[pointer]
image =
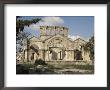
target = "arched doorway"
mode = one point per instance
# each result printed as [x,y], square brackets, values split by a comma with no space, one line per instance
[78,55]
[34,52]
[56,49]
[56,53]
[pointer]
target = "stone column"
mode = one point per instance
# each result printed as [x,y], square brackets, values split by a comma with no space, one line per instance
[73,55]
[25,56]
[28,48]
[66,55]
[46,55]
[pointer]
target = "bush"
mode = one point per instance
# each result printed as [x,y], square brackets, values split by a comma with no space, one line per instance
[20,69]
[40,62]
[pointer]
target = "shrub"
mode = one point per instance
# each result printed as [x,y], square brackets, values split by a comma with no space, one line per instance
[40,62]
[20,69]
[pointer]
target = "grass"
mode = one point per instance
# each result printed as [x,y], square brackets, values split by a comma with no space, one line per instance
[74,66]
[52,69]
[84,67]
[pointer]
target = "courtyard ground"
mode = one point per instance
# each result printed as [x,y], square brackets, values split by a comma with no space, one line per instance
[57,69]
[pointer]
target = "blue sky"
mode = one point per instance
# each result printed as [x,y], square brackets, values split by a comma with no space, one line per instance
[82,26]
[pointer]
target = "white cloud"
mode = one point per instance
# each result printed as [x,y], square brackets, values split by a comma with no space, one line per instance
[73,37]
[47,21]
[53,20]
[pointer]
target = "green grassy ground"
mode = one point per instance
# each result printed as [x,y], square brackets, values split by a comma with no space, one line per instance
[59,69]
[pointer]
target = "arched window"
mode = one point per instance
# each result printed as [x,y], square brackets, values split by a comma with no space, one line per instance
[32,56]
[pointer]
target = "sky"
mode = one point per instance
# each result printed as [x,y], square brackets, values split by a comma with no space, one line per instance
[79,26]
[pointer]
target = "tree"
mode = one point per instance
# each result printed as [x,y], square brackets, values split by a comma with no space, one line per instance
[89,47]
[22,37]
[21,23]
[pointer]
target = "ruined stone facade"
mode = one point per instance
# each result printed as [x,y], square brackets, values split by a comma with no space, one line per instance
[54,45]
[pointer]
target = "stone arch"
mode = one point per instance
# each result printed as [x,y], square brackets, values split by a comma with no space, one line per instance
[78,54]
[56,49]
[34,52]
[56,42]
[35,48]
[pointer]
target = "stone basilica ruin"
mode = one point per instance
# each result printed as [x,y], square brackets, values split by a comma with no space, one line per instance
[53,44]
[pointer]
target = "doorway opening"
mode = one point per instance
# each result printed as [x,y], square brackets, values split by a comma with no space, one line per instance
[78,55]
